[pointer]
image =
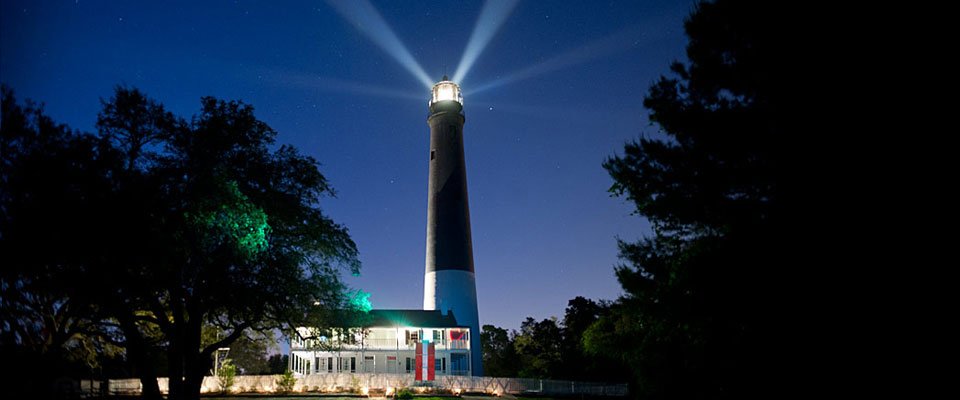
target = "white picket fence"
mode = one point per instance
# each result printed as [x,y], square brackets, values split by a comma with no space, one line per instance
[345,382]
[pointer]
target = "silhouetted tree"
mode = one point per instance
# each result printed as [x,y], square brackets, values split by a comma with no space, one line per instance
[577,363]
[159,226]
[45,171]
[278,363]
[499,356]
[248,353]
[580,314]
[701,295]
[538,348]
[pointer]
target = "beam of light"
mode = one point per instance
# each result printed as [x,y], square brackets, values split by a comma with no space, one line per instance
[344,86]
[620,41]
[492,16]
[299,80]
[550,113]
[368,21]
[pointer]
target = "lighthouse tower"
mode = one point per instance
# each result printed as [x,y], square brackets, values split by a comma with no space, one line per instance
[449,281]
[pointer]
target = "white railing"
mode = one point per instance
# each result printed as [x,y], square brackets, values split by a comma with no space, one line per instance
[386,344]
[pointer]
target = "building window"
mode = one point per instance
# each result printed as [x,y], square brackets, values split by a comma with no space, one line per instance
[353,364]
[410,365]
[438,336]
[316,364]
[329,364]
[413,337]
[440,364]
[459,364]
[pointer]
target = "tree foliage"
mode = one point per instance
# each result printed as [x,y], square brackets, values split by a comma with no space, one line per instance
[538,348]
[499,357]
[45,168]
[700,294]
[551,348]
[577,363]
[249,353]
[158,226]
[278,363]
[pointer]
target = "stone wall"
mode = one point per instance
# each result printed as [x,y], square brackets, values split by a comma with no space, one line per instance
[362,383]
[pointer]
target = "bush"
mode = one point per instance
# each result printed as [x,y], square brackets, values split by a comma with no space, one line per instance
[226,375]
[286,382]
[354,384]
[404,394]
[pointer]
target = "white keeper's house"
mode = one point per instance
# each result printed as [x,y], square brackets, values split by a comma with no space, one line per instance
[425,343]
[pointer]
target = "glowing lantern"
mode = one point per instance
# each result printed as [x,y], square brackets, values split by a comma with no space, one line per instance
[446,90]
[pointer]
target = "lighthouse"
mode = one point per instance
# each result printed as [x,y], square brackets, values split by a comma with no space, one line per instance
[449,280]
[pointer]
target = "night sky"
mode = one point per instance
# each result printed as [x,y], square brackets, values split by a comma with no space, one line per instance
[557,90]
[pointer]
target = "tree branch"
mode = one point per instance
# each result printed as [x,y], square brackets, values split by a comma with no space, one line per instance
[207,351]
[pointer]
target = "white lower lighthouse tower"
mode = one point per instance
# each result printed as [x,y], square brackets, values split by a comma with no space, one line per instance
[449,281]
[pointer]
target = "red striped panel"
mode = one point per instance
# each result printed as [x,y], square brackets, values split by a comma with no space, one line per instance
[419,376]
[432,362]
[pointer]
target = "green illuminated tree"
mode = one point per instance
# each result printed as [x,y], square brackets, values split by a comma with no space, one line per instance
[157,227]
[703,294]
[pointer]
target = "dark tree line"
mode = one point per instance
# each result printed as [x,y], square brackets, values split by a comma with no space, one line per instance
[708,296]
[133,240]
[711,304]
[551,348]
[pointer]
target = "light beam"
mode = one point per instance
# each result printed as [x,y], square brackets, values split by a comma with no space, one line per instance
[369,22]
[344,86]
[620,41]
[300,80]
[492,16]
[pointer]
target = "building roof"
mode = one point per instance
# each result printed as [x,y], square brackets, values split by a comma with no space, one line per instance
[413,318]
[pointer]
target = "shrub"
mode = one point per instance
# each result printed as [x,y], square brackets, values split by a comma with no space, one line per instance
[286,382]
[404,394]
[354,384]
[226,375]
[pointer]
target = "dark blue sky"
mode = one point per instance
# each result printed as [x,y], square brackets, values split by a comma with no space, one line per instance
[573,77]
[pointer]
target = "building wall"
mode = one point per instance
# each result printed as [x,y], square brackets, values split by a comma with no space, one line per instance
[371,351]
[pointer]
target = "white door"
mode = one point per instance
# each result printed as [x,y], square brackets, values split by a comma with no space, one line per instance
[369,364]
[392,365]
